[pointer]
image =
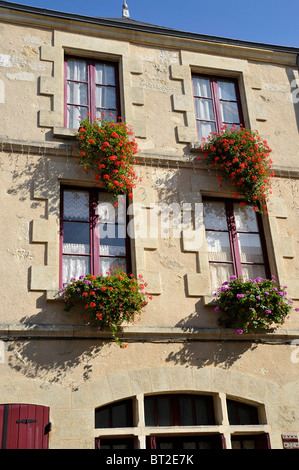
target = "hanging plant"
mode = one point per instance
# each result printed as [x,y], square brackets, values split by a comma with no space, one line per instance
[109,301]
[243,158]
[246,305]
[108,149]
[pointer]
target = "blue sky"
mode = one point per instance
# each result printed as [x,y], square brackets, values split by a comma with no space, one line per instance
[263,21]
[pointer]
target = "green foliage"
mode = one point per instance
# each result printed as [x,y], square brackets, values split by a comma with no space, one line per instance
[252,304]
[109,301]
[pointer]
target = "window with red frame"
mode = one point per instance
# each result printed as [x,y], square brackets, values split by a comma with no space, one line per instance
[90,87]
[235,241]
[93,233]
[217,103]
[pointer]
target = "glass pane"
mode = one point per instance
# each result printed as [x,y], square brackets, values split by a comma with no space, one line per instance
[119,415]
[204,129]
[201,87]
[77,70]
[112,241]
[76,205]
[105,208]
[248,444]
[105,74]
[189,445]
[102,418]
[245,415]
[215,215]
[229,112]
[220,273]
[186,411]
[106,264]
[77,93]
[226,90]
[202,411]
[204,445]
[108,115]
[204,109]
[245,218]
[75,266]
[150,414]
[250,248]
[218,246]
[105,97]
[76,237]
[236,444]
[253,271]
[74,115]
[166,445]
[164,417]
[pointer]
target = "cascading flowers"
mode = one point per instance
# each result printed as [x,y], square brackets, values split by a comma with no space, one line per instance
[108,149]
[109,300]
[246,305]
[243,157]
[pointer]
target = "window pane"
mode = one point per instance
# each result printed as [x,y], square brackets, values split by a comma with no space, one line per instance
[76,205]
[220,273]
[105,74]
[250,248]
[202,410]
[245,218]
[108,115]
[105,208]
[218,246]
[105,97]
[164,416]
[112,240]
[77,70]
[76,237]
[119,415]
[75,266]
[204,129]
[102,418]
[201,87]
[229,112]
[253,271]
[149,410]
[186,411]
[106,264]
[215,215]
[204,109]
[226,90]
[77,93]
[74,115]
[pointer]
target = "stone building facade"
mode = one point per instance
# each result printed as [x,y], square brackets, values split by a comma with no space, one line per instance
[178,358]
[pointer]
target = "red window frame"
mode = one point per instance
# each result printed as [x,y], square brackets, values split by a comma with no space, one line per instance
[216,101]
[233,238]
[94,239]
[91,107]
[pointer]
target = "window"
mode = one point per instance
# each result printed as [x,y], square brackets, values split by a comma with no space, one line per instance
[93,233]
[116,415]
[241,413]
[217,103]
[235,241]
[178,410]
[176,422]
[90,87]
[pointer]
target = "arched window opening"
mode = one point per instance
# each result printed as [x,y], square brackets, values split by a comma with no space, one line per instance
[115,415]
[242,413]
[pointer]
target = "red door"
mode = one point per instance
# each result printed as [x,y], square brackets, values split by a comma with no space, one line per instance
[24,427]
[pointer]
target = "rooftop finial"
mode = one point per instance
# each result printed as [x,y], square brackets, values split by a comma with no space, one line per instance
[126,13]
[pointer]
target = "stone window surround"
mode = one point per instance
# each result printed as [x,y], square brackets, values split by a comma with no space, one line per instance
[222,426]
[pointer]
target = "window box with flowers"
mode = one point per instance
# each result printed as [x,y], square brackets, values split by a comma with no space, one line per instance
[108,149]
[253,304]
[109,300]
[243,158]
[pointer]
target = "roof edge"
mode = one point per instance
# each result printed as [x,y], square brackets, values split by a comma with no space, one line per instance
[129,23]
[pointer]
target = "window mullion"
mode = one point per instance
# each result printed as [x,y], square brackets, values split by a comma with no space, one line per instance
[233,238]
[94,234]
[216,104]
[91,90]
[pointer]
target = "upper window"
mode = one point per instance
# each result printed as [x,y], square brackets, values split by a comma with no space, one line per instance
[93,233]
[235,241]
[217,104]
[90,87]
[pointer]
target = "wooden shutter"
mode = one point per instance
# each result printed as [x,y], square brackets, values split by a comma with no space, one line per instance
[24,427]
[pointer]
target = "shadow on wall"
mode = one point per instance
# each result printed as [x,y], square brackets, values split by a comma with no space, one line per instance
[208,352]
